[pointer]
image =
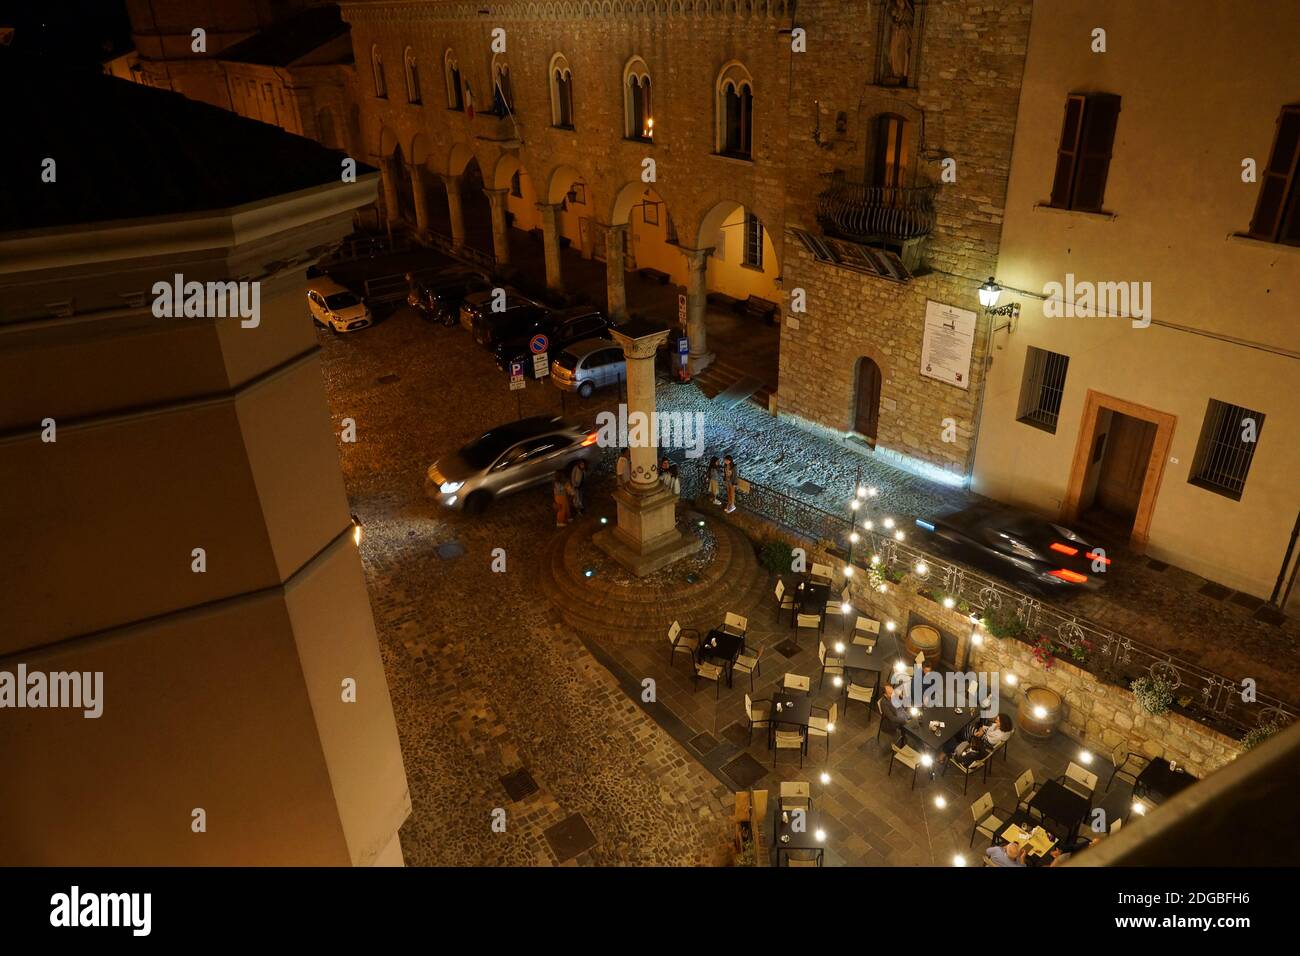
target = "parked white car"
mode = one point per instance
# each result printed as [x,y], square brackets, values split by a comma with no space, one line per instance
[335,307]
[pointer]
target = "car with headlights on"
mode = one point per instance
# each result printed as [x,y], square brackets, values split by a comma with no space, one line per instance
[1019,546]
[507,459]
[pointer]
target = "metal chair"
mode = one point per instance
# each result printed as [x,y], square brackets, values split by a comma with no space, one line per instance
[866,630]
[824,726]
[749,664]
[788,740]
[711,672]
[735,624]
[1121,758]
[797,683]
[987,819]
[809,622]
[757,714]
[1077,780]
[682,641]
[833,664]
[784,602]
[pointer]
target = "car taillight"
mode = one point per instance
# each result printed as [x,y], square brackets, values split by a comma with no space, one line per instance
[1064,548]
[1093,555]
[589,440]
[1073,577]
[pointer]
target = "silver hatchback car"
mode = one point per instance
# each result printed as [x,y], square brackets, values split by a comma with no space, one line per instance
[507,459]
[588,365]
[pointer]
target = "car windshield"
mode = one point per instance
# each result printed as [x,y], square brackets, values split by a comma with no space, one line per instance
[567,360]
[485,449]
[342,300]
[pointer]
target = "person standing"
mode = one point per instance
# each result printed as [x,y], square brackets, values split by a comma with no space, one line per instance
[729,479]
[560,492]
[715,486]
[577,479]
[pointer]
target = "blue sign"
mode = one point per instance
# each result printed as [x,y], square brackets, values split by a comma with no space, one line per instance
[683,346]
[538,344]
[516,369]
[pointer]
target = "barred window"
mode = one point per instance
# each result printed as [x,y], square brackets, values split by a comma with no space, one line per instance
[1042,388]
[753,256]
[1227,446]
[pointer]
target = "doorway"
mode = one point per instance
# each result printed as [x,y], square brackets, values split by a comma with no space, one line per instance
[866,413]
[1119,460]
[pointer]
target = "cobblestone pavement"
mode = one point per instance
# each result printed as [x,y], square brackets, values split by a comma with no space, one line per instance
[483,682]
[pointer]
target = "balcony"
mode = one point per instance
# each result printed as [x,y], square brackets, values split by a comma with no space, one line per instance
[872,214]
[503,130]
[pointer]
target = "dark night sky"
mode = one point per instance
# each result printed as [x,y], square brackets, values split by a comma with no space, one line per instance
[77,31]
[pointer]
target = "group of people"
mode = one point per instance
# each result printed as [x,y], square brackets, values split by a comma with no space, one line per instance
[568,487]
[722,477]
[1014,854]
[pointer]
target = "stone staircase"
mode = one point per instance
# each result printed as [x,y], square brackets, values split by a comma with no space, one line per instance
[720,376]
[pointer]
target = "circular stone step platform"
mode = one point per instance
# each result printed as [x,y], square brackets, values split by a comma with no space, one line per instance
[602,600]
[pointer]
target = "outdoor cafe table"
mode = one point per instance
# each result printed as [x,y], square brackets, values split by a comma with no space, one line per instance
[1061,806]
[1026,823]
[1157,782]
[804,838]
[879,659]
[954,719]
[811,597]
[796,709]
[722,648]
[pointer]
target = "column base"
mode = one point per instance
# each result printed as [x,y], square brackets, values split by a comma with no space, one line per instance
[699,363]
[646,537]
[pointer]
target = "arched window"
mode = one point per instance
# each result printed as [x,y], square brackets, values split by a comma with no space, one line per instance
[503,100]
[412,76]
[735,111]
[377,68]
[561,92]
[639,120]
[889,152]
[451,74]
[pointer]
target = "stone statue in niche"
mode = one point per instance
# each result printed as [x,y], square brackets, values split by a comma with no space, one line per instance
[899,24]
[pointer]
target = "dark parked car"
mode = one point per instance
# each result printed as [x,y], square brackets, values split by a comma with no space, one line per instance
[507,459]
[520,316]
[1019,545]
[560,329]
[439,298]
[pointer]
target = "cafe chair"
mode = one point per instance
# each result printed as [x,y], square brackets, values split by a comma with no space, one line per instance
[757,713]
[866,693]
[803,858]
[833,665]
[811,622]
[1077,780]
[1115,825]
[820,574]
[797,682]
[1025,792]
[784,602]
[735,625]
[682,641]
[969,770]
[711,672]
[988,818]
[1127,765]
[865,631]
[823,726]
[788,740]
[887,722]
[909,758]
[795,795]
[749,664]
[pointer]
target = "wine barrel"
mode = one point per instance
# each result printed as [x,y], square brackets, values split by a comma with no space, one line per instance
[923,639]
[1039,713]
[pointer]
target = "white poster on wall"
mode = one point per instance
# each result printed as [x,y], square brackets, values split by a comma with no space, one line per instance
[949,339]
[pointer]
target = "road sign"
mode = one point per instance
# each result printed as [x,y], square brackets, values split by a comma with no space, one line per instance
[541,366]
[538,343]
[681,309]
[516,369]
[516,382]
[683,345]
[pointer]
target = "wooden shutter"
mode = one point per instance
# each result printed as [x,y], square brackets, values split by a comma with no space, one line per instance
[1100,114]
[1068,152]
[1275,211]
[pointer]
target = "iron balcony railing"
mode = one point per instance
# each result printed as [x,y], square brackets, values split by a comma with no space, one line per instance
[873,213]
[1199,694]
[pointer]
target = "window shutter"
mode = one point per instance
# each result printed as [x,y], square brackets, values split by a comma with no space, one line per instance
[1279,180]
[1100,115]
[1067,154]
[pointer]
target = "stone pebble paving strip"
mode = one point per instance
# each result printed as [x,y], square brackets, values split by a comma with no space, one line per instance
[483,682]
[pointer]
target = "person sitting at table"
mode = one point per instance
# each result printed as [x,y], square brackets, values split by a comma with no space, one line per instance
[898,708]
[1013,854]
[1060,855]
[984,740]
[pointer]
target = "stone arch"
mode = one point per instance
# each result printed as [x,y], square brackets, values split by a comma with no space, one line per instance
[458,158]
[561,180]
[388,142]
[503,170]
[418,153]
[711,223]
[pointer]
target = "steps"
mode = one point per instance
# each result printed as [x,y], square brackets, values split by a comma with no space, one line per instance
[720,376]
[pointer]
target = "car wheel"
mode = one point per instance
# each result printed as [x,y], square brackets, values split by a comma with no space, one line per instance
[477,503]
[585,390]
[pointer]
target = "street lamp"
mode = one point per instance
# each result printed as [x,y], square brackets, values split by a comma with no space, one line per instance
[989,293]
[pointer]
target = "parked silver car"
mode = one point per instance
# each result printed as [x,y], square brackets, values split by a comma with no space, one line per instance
[588,365]
[507,459]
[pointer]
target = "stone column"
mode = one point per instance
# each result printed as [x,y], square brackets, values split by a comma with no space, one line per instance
[551,245]
[615,291]
[391,209]
[500,233]
[697,300]
[646,536]
[455,210]
[418,196]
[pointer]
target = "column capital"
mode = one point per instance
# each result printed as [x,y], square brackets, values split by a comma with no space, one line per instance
[614,228]
[696,258]
[640,339]
[451,179]
[496,195]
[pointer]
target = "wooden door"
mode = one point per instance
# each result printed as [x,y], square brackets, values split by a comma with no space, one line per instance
[1124,468]
[866,420]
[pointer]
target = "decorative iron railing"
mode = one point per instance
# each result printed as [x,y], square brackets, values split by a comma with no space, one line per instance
[1199,694]
[872,213]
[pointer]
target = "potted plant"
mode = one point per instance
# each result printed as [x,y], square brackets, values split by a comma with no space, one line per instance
[1045,652]
[775,555]
[1260,734]
[1153,694]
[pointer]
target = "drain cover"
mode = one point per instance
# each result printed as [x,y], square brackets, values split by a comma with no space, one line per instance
[519,784]
[450,550]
